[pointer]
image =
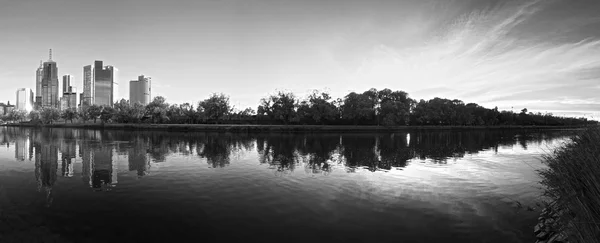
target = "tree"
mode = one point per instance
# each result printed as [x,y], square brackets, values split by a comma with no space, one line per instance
[265,108]
[188,111]
[247,113]
[15,116]
[394,107]
[106,113]
[69,114]
[6,118]
[49,115]
[279,107]
[34,116]
[175,114]
[216,106]
[122,111]
[321,109]
[157,109]
[358,107]
[93,112]
[137,112]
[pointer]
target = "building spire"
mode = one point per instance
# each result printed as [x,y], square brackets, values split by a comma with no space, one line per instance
[50,54]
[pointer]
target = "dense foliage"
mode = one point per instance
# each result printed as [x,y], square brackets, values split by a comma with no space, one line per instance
[372,107]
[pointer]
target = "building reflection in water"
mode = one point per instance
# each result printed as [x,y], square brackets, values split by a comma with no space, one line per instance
[315,153]
[138,157]
[104,173]
[22,147]
[98,170]
[46,163]
[68,154]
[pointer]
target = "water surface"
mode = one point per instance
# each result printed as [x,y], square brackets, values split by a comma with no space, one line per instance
[69,185]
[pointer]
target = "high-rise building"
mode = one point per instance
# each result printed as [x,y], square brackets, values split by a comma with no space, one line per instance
[39,74]
[24,99]
[139,90]
[50,84]
[67,80]
[100,84]
[69,98]
[88,86]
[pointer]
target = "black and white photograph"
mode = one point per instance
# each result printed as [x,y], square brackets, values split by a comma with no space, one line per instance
[284,121]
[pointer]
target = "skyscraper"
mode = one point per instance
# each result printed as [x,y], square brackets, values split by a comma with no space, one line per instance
[66,87]
[50,84]
[24,99]
[39,74]
[139,90]
[69,98]
[88,86]
[100,84]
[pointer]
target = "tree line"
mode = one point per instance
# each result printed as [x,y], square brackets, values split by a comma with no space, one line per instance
[372,107]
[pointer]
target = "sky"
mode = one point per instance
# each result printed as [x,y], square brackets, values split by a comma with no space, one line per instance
[541,55]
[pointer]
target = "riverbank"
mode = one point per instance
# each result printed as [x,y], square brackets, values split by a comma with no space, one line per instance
[572,182]
[274,128]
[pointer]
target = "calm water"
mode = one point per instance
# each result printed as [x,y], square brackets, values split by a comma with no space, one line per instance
[69,185]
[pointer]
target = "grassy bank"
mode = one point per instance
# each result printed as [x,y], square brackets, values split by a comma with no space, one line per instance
[275,128]
[572,181]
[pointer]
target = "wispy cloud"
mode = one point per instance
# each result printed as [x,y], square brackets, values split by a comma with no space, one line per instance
[479,54]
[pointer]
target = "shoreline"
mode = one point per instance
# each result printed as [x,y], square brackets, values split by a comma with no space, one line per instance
[279,128]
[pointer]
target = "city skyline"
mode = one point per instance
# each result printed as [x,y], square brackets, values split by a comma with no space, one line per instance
[539,55]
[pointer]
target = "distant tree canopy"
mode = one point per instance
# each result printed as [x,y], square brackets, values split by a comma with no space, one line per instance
[216,107]
[372,107]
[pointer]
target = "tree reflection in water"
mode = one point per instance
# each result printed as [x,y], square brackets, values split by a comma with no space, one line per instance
[317,153]
[282,152]
[279,151]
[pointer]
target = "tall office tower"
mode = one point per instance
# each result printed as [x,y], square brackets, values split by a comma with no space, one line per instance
[88,86]
[100,84]
[67,80]
[69,98]
[139,90]
[39,74]
[24,99]
[50,84]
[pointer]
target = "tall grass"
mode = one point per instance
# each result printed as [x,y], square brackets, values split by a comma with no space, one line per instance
[572,181]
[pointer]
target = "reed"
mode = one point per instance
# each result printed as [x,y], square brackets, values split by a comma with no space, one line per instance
[572,181]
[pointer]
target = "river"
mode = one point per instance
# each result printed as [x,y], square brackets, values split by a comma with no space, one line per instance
[70,185]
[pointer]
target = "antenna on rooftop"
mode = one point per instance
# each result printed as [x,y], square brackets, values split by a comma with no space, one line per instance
[50,54]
